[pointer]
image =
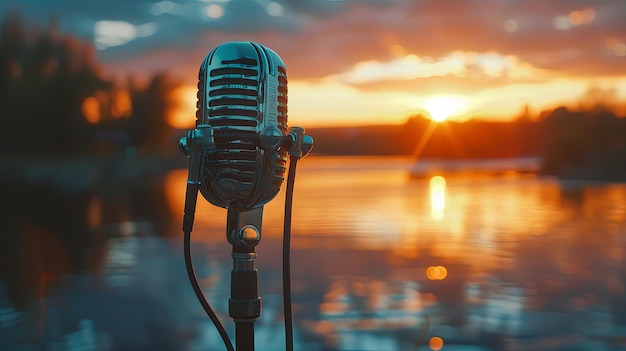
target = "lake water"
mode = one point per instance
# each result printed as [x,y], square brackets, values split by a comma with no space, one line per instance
[380,261]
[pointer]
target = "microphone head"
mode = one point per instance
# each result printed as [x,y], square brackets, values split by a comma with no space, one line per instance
[242,96]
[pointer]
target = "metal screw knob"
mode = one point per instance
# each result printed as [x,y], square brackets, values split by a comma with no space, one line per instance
[249,235]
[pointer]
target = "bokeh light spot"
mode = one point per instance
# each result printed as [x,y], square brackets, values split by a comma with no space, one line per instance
[561,23]
[214,11]
[435,343]
[436,272]
[274,9]
[577,18]
[510,26]
[90,108]
[122,104]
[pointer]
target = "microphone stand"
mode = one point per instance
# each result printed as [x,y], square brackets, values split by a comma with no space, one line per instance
[243,232]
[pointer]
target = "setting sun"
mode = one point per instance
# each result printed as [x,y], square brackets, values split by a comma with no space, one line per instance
[442,107]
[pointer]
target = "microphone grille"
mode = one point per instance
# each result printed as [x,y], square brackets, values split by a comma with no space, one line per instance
[282,99]
[242,90]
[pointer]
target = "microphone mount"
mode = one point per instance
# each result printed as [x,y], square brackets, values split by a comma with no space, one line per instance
[199,142]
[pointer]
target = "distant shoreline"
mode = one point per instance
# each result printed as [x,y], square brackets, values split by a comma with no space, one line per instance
[87,171]
[491,166]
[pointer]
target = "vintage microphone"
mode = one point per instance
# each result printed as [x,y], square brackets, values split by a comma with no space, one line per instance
[238,157]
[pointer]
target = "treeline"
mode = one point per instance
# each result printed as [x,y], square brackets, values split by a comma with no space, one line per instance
[54,98]
[585,145]
[421,137]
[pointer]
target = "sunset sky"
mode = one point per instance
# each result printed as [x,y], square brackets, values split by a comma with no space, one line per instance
[370,61]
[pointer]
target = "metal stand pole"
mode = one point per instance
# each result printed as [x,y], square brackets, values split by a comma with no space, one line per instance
[243,231]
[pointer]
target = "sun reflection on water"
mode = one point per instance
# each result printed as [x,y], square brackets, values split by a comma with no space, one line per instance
[371,203]
[437,187]
[396,250]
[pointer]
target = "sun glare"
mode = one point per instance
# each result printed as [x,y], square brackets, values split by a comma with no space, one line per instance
[443,107]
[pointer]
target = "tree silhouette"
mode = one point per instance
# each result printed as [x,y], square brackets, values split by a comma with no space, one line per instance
[585,144]
[11,44]
[149,129]
[42,85]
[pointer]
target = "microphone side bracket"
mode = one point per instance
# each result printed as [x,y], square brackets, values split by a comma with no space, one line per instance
[197,142]
[298,143]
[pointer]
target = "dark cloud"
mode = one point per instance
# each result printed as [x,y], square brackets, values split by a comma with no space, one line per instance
[329,7]
[321,37]
[77,17]
[435,28]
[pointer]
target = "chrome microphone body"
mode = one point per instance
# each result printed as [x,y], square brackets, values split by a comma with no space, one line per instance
[242,96]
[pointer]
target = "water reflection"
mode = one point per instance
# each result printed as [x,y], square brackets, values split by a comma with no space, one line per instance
[380,262]
[437,187]
[59,246]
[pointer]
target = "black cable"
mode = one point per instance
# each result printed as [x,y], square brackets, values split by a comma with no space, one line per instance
[287,254]
[191,198]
